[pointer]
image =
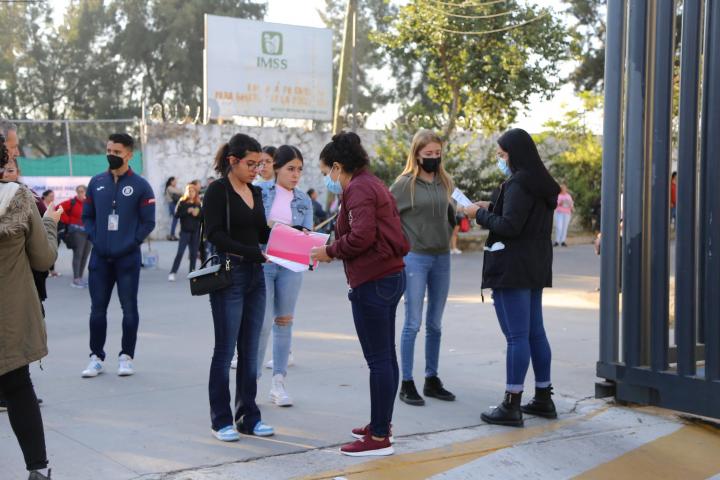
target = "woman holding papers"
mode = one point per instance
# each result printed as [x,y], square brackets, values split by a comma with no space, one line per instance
[427,212]
[371,243]
[284,203]
[236,226]
[517,266]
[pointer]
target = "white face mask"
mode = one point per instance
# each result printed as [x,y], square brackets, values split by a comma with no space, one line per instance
[503,166]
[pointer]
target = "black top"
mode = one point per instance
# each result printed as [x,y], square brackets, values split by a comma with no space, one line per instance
[522,220]
[188,222]
[248,228]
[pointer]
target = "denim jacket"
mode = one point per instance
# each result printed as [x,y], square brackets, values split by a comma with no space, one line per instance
[301,205]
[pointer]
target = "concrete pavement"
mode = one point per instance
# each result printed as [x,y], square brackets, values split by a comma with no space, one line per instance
[157,421]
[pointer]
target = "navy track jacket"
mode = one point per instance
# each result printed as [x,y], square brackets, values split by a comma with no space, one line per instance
[132,199]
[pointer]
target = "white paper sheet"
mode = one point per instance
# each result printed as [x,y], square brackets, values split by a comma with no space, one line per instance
[289,264]
[460,198]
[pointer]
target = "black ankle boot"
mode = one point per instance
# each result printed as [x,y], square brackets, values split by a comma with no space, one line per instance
[434,388]
[35,475]
[508,413]
[409,394]
[542,404]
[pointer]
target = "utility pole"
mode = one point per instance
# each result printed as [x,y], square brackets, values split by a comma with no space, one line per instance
[348,48]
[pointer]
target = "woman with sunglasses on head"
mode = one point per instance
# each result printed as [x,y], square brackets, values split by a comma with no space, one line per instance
[287,204]
[237,310]
[518,266]
[371,243]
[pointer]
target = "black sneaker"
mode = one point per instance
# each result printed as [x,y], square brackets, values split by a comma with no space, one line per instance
[409,394]
[556,244]
[434,388]
[3,405]
[563,244]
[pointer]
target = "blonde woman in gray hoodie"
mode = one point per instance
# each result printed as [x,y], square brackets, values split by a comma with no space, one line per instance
[427,213]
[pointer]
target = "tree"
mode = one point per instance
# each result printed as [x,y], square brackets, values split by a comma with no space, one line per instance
[588,43]
[373,16]
[481,61]
[161,42]
[575,155]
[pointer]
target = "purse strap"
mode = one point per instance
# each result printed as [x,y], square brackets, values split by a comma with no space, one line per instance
[227,224]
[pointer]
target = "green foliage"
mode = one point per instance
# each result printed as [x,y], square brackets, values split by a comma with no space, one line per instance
[588,43]
[480,61]
[373,16]
[575,156]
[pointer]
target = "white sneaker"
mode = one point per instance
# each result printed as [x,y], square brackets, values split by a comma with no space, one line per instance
[456,251]
[278,394]
[291,362]
[125,366]
[233,363]
[171,277]
[94,368]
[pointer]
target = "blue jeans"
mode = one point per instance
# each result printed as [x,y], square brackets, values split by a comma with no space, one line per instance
[237,316]
[104,274]
[283,289]
[519,312]
[174,221]
[374,305]
[429,273]
[189,240]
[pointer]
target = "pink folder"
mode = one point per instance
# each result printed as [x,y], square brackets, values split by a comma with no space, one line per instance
[290,248]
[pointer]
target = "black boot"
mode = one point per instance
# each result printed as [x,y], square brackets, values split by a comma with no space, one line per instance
[434,388]
[35,475]
[542,405]
[508,413]
[409,394]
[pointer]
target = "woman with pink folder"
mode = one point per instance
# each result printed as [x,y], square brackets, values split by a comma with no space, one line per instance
[284,203]
[371,243]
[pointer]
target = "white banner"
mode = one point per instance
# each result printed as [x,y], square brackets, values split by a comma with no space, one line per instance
[64,187]
[267,69]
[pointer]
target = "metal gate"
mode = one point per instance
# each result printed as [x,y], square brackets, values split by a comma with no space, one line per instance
[644,356]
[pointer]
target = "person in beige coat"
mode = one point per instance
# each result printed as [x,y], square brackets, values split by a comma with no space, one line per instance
[27,242]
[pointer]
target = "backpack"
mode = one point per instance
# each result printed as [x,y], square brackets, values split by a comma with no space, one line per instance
[63,232]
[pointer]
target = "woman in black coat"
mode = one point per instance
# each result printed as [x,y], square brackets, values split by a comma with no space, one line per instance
[517,266]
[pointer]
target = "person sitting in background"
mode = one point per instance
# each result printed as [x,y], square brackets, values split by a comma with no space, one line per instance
[319,214]
[77,237]
[189,213]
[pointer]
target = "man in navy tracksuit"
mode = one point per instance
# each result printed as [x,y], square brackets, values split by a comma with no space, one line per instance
[118,215]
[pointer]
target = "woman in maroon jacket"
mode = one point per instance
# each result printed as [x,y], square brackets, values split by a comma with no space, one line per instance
[371,243]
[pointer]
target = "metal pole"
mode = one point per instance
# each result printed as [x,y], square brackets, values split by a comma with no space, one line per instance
[610,212]
[354,67]
[685,225]
[660,182]
[633,191]
[69,146]
[339,93]
[710,173]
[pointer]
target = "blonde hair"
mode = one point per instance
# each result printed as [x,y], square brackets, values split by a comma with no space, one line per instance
[186,195]
[420,140]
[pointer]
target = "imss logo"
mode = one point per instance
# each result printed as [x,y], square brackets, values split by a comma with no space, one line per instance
[271,44]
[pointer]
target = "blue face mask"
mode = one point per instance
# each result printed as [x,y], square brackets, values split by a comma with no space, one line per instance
[333,186]
[503,166]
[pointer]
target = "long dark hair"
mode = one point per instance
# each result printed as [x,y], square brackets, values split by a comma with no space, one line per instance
[285,154]
[169,181]
[346,150]
[238,146]
[270,150]
[4,157]
[524,159]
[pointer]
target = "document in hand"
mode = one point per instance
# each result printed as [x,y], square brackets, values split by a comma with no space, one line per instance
[460,198]
[290,248]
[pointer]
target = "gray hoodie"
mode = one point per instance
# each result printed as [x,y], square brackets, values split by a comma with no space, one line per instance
[425,220]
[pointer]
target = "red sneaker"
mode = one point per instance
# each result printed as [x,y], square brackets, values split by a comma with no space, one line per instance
[367,447]
[361,432]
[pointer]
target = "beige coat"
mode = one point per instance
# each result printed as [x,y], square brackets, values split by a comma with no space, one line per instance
[26,241]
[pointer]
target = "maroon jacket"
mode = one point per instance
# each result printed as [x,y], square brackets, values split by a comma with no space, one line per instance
[370,238]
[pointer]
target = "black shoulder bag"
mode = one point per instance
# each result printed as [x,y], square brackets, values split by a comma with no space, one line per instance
[216,276]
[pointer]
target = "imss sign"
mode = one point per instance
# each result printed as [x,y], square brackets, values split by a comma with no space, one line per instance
[267,69]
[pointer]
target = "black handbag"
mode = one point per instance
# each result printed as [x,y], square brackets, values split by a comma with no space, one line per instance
[217,276]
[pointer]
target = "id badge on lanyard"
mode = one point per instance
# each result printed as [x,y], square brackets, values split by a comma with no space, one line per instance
[113,222]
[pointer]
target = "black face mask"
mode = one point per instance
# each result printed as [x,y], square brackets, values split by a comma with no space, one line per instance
[430,165]
[115,162]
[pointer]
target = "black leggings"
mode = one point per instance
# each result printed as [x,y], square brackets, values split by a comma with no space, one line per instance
[25,418]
